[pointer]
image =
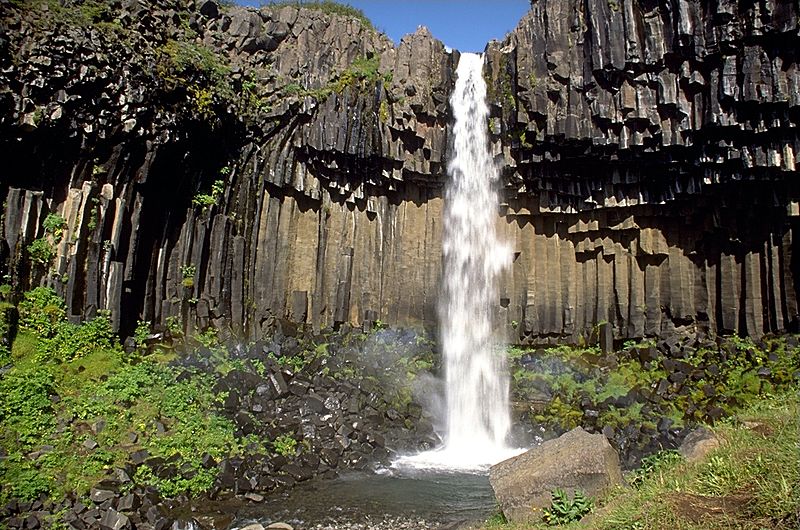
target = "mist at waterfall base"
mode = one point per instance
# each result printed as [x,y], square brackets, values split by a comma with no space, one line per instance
[477,409]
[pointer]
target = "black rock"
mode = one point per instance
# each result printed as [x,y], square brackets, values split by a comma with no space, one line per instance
[208,461]
[209,9]
[139,457]
[677,377]
[664,424]
[715,413]
[128,502]
[113,520]
[101,495]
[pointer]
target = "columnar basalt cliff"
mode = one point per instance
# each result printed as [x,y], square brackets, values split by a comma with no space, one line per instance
[233,167]
[651,150]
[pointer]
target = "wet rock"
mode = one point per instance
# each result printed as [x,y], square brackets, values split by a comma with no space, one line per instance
[254,497]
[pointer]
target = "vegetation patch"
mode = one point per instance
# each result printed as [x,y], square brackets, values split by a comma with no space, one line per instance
[642,391]
[75,406]
[751,481]
[362,74]
[326,6]
[564,510]
[72,402]
[198,70]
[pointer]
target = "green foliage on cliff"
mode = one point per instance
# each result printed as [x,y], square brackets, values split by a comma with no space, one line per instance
[43,314]
[41,251]
[206,200]
[200,71]
[325,6]
[98,15]
[361,75]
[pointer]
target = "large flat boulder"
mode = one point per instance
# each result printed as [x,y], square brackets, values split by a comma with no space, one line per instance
[576,460]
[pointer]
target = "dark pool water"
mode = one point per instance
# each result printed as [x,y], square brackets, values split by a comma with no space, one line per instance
[394,500]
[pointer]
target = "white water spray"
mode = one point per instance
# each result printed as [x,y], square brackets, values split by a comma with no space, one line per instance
[476,386]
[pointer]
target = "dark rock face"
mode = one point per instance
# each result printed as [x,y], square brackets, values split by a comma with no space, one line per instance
[648,156]
[650,150]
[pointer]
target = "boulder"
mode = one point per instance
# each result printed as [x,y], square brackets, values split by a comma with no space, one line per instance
[576,460]
[279,526]
[698,444]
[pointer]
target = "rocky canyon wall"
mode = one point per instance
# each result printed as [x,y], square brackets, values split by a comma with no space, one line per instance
[236,167]
[650,151]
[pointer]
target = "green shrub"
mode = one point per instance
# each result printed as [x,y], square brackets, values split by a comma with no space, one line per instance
[207,200]
[41,311]
[73,341]
[187,275]
[141,333]
[40,251]
[54,225]
[25,408]
[25,481]
[200,71]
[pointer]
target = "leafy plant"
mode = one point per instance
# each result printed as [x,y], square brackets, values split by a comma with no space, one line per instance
[294,362]
[285,445]
[54,225]
[41,251]
[187,275]
[174,326]
[25,409]
[207,200]
[73,341]
[141,333]
[208,338]
[41,311]
[564,510]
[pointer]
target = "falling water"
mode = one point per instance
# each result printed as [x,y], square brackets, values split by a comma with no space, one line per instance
[476,385]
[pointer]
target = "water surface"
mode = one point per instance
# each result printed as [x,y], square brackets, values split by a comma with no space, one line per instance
[406,499]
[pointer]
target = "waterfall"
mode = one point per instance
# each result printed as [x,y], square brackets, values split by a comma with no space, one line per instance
[476,385]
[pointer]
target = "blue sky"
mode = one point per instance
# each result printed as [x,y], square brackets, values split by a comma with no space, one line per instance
[465,25]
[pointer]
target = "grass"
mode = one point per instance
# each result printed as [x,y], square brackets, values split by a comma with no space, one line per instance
[752,481]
